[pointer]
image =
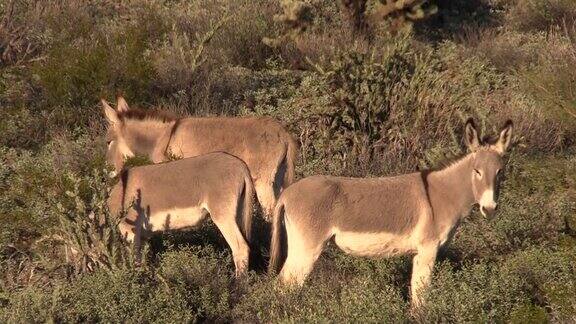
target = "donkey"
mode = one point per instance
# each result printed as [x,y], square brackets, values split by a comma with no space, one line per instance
[408,214]
[267,148]
[180,194]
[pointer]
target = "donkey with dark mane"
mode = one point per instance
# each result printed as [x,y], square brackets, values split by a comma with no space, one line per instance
[408,214]
[262,143]
[181,194]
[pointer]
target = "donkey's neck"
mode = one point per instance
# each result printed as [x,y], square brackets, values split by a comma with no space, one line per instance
[450,192]
[151,138]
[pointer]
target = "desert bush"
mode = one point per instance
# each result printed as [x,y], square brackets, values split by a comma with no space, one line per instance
[24,199]
[359,300]
[87,230]
[530,15]
[98,66]
[538,93]
[203,276]
[551,82]
[387,108]
[190,285]
[510,289]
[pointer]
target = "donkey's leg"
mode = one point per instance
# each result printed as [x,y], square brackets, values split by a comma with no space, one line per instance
[302,254]
[225,220]
[422,266]
[266,196]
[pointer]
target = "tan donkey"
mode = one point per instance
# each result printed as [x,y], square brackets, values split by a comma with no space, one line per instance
[408,214]
[182,193]
[262,143]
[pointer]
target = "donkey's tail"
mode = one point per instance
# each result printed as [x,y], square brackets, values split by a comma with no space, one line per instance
[291,156]
[276,248]
[248,208]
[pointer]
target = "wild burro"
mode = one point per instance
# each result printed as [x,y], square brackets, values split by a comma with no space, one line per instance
[408,214]
[264,145]
[180,194]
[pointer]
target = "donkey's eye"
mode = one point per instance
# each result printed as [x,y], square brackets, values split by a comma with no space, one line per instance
[478,173]
[108,143]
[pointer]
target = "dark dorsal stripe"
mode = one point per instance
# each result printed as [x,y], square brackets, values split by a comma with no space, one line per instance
[172,132]
[124,180]
[424,175]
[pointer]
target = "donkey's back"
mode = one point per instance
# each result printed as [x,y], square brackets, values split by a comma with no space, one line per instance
[391,204]
[180,183]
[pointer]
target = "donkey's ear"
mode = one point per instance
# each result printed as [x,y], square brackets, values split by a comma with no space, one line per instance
[505,137]
[110,113]
[122,105]
[471,135]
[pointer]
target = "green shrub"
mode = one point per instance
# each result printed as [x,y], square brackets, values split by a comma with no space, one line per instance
[528,15]
[552,81]
[511,289]
[27,184]
[380,111]
[361,299]
[190,285]
[203,276]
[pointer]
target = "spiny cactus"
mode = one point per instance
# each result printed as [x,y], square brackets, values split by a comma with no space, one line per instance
[295,18]
[401,11]
[88,232]
[364,14]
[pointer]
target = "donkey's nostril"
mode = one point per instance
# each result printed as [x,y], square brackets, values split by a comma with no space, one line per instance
[488,211]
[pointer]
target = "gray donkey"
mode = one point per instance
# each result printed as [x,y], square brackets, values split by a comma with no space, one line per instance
[262,143]
[180,194]
[408,214]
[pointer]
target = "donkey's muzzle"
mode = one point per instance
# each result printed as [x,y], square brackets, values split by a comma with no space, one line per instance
[488,211]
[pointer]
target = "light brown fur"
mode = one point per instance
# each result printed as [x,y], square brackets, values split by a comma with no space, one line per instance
[262,143]
[409,214]
[180,194]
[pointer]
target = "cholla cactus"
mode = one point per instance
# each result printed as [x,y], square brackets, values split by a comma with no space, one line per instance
[88,232]
[402,11]
[296,17]
[362,14]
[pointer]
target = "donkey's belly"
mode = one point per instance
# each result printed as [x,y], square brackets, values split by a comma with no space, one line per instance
[374,244]
[176,218]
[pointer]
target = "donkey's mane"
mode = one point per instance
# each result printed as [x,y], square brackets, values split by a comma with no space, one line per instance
[452,160]
[447,162]
[142,114]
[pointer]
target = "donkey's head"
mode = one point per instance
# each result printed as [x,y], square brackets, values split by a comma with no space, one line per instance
[133,131]
[118,148]
[487,164]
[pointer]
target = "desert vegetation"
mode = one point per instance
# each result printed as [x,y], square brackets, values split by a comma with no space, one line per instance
[367,90]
